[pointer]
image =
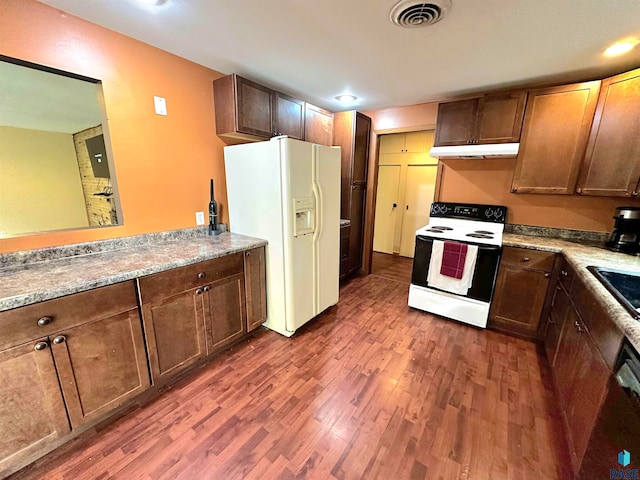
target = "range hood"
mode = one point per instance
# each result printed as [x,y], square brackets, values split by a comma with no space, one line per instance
[476,151]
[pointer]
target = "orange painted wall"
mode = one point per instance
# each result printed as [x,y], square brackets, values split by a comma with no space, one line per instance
[163,164]
[489,181]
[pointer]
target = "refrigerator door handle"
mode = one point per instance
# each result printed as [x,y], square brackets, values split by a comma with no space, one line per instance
[316,188]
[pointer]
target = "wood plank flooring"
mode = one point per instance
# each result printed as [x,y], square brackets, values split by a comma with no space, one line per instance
[371,389]
[392,267]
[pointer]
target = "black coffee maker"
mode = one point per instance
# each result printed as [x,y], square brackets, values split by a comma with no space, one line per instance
[626,231]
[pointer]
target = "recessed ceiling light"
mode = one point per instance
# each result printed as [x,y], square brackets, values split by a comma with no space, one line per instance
[621,47]
[346,98]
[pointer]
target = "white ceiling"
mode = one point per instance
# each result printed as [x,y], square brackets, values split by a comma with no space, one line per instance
[316,49]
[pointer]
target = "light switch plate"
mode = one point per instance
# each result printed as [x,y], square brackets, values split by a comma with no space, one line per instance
[199,218]
[161,105]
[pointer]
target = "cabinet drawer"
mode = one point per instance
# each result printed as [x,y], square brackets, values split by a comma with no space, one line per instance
[39,320]
[533,259]
[161,285]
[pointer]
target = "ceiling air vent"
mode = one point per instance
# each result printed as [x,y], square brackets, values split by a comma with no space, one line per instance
[411,14]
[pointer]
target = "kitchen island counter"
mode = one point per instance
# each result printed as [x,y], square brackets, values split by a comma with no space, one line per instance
[581,256]
[29,283]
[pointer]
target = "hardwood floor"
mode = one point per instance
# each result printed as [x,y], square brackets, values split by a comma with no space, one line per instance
[392,267]
[369,390]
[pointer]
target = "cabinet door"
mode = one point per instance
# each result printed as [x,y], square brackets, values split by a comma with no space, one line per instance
[225,316]
[387,208]
[358,194]
[500,117]
[560,304]
[174,329]
[554,138]
[288,116]
[392,143]
[345,234]
[253,108]
[418,195]
[32,413]
[456,122]
[518,300]
[416,142]
[567,357]
[361,149]
[255,283]
[612,161]
[318,125]
[587,394]
[101,365]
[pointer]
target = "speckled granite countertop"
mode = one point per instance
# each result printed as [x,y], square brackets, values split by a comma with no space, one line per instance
[34,282]
[580,257]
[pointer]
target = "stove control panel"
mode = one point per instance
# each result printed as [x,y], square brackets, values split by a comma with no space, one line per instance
[482,213]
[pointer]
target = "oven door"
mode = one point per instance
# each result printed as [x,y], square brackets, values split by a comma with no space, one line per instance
[484,276]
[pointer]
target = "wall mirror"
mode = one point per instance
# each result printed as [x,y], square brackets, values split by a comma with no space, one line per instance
[56,166]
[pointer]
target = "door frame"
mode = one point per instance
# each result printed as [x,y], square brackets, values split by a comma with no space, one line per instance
[372,186]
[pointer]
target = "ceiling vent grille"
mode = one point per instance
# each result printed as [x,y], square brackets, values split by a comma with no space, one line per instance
[412,14]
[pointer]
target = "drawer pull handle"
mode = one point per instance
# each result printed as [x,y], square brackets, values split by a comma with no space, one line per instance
[59,339]
[526,259]
[206,289]
[199,291]
[201,275]
[44,321]
[40,346]
[564,273]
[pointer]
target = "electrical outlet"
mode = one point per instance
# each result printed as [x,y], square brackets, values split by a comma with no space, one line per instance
[161,105]
[199,218]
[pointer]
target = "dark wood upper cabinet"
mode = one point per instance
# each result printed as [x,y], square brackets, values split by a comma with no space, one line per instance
[318,125]
[492,118]
[612,161]
[243,108]
[288,116]
[456,124]
[554,138]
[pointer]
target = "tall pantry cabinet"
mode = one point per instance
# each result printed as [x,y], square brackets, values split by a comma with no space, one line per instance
[352,131]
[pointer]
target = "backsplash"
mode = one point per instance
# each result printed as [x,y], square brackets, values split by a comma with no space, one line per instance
[581,236]
[52,253]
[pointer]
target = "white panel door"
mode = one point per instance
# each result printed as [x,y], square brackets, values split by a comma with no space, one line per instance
[297,172]
[420,187]
[386,208]
[327,235]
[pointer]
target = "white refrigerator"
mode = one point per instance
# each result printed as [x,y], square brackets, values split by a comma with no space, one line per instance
[288,193]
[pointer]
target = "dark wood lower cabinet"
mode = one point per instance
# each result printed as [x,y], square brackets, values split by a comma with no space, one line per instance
[345,237]
[255,284]
[101,365]
[521,291]
[224,309]
[32,413]
[174,329]
[581,373]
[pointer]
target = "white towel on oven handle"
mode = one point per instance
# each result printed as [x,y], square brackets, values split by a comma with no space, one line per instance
[449,284]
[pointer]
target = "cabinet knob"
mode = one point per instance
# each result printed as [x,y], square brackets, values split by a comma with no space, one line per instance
[578,190]
[40,346]
[525,259]
[551,321]
[634,194]
[44,321]
[248,254]
[59,339]
[206,289]
[546,275]
[514,189]
[199,291]
[564,273]
[578,326]
[201,275]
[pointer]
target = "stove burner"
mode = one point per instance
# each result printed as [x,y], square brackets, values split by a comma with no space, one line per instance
[478,235]
[435,230]
[438,227]
[483,232]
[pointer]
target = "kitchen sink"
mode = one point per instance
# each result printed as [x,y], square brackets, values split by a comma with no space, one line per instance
[624,286]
